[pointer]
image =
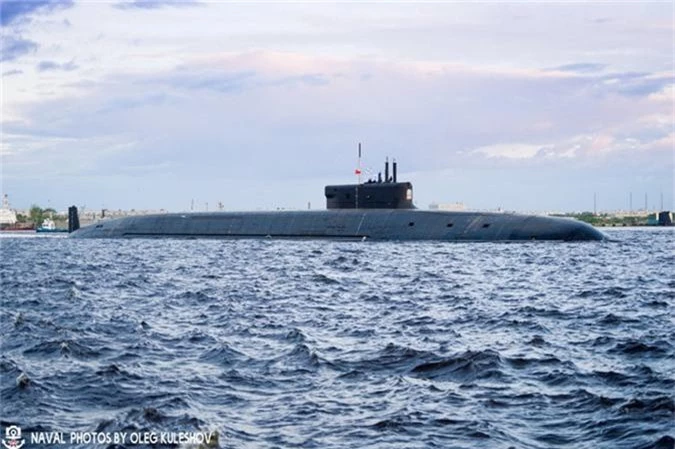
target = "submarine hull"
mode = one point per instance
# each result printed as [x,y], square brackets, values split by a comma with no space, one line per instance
[377,224]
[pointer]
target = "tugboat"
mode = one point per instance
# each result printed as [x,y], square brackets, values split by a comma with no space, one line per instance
[49,226]
[380,209]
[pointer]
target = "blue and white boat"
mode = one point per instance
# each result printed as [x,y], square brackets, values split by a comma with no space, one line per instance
[48,225]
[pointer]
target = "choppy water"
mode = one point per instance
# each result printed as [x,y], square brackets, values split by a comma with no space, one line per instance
[322,344]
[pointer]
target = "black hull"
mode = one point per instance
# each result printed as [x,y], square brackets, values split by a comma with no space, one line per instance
[355,224]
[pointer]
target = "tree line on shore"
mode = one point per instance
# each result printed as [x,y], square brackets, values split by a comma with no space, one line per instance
[37,215]
[605,219]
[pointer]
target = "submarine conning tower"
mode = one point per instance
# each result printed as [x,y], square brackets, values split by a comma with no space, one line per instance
[378,193]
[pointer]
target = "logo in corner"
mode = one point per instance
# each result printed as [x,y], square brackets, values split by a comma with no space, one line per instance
[13,438]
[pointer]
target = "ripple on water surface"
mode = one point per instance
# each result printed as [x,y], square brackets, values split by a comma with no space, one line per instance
[344,344]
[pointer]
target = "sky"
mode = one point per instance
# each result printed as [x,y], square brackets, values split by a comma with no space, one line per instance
[527,106]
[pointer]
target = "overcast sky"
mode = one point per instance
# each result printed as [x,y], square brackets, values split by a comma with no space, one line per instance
[524,106]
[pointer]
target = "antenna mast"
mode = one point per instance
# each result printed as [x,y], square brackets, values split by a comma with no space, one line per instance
[358,174]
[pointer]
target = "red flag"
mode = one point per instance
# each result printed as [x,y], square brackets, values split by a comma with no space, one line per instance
[357,172]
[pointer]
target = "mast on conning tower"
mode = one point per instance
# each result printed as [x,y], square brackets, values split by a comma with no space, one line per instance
[357,172]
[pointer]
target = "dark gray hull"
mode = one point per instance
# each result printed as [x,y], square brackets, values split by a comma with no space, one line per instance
[383,224]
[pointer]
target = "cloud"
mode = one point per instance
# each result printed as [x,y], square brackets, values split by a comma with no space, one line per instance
[262,100]
[581,67]
[633,84]
[665,143]
[509,151]
[12,72]
[643,86]
[46,66]
[665,95]
[207,79]
[15,47]
[135,102]
[13,10]
[154,4]
[225,81]
[597,145]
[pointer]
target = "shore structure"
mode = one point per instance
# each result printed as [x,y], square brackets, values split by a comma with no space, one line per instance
[7,215]
[8,218]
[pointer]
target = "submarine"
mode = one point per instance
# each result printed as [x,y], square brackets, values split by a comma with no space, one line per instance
[379,209]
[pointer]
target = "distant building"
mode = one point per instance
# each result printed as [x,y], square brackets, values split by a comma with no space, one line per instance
[7,215]
[108,213]
[91,216]
[454,207]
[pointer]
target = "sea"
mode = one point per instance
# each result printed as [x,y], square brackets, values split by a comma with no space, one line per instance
[334,344]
